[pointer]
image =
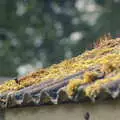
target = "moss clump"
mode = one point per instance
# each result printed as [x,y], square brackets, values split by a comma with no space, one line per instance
[90,77]
[73,84]
[107,68]
[10,85]
[94,89]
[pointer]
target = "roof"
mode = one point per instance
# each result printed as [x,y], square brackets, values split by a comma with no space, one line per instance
[93,75]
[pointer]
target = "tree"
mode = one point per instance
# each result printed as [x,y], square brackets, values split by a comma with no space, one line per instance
[41,32]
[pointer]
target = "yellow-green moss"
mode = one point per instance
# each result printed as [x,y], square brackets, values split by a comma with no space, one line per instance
[106,56]
[94,89]
[75,83]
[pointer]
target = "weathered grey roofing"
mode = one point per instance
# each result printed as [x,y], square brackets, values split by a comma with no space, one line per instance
[52,91]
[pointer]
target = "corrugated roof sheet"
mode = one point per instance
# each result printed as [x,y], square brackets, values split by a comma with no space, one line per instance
[95,75]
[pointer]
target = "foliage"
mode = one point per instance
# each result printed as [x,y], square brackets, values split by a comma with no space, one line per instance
[40,33]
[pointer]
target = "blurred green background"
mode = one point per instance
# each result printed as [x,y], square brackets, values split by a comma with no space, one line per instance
[38,33]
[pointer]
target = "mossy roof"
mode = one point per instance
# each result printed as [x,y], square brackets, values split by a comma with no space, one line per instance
[93,75]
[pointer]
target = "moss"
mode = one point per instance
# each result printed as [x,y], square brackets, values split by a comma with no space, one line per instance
[10,85]
[107,68]
[88,77]
[102,56]
[95,88]
[73,85]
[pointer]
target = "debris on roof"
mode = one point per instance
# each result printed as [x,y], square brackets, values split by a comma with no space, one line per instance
[94,75]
